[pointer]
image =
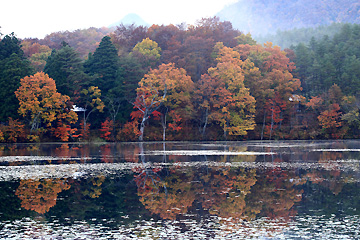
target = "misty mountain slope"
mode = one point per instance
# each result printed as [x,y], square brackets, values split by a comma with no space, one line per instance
[261,17]
[287,38]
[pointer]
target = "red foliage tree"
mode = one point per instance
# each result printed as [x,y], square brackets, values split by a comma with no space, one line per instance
[107,128]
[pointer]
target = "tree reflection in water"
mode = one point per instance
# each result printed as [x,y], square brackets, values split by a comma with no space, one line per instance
[225,192]
[126,185]
[40,195]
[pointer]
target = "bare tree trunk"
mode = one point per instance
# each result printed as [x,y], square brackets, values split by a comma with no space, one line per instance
[225,133]
[164,133]
[148,109]
[114,106]
[35,123]
[155,179]
[206,121]
[163,123]
[164,152]
[142,128]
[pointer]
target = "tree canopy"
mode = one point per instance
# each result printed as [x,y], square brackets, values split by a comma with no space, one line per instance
[206,81]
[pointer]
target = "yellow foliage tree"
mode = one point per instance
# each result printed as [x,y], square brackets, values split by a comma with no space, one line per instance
[236,112]
[91,101]
[148,48]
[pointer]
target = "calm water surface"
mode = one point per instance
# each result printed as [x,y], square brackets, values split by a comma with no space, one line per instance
[217,190]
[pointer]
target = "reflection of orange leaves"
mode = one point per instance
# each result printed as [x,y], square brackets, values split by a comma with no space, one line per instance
[130,152]
[229,191]
[332,179]
[328,157]
[336,182]
[280,194]
[168,200]
[95,190]
[106,154]
[168,206]
[137,169]
[314,177]
[156,169]
[65,151]
[40,195]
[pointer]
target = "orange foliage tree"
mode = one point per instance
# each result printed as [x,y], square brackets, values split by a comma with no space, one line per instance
[14,131]
[63,131]
[268,76]
[328,112]
[129,132]
[166,85]
[107,128]
[223,97]
[330,120]
[40,101]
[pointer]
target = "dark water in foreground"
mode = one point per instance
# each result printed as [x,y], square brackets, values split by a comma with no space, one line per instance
[233,190]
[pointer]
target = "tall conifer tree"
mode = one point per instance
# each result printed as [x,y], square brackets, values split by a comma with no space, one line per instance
[13,67]
[66,68]
[103,65]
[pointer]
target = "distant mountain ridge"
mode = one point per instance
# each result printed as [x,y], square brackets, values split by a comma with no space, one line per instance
[261,17]
[129,19]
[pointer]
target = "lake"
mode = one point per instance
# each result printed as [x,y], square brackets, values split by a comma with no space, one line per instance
[181,190]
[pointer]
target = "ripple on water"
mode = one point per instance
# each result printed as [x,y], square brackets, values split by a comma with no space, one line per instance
[301,227]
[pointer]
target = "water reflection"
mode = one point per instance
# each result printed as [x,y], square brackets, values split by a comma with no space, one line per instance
[40,195]
[176,190]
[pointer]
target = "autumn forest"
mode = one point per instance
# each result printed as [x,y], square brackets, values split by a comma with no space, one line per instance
[206,81]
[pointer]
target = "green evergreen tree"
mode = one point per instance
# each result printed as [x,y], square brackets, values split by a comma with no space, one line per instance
[119,98]
[303,60]
[330,61]
[350,77]
[103,65]
[9,45]
[13,67]
[117,78]
[66,68]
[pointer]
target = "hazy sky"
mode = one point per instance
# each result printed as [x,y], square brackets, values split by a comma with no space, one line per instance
[36,18]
